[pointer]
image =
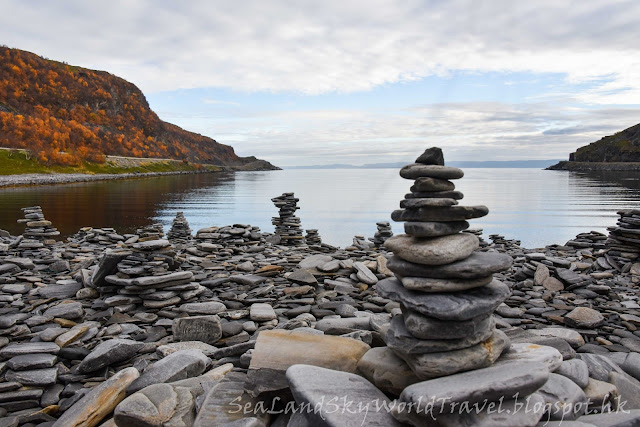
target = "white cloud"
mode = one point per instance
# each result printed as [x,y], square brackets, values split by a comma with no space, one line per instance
[334,45]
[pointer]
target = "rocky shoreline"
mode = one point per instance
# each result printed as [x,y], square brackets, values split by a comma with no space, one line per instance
[237,327]
[595,166]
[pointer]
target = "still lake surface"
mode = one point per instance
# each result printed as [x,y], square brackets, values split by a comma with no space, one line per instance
[534,206]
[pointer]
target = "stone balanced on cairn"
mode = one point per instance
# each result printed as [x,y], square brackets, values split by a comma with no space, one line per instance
[383,233]
[286,223]
[446,290]
[36,226]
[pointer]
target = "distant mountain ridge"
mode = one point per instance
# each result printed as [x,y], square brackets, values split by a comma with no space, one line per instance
[623,146]
[65,114]
[541,164]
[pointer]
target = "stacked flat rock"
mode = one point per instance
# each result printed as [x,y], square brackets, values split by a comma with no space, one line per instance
[151,232]
[383,233]
[624,239]
[446,290]
[180,231]
[146,276]
[36,226]
[313,238]
[286,223]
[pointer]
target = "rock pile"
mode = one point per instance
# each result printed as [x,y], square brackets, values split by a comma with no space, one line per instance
[151,232]
[313,238]
[180,231]
[36,226]
[382,234]
[286,223]
[446,290]
[624,238]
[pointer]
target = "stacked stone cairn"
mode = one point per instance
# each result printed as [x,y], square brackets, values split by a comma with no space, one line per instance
[624,239]
[445,287]
[286,223]
[144,275]
[313,238]
[150,232]
[36,226]
[180,231]
[383,233]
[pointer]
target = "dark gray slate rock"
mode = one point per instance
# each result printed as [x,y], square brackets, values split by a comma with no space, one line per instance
[431,156]
[66,310]
[478,264]
[32,361]
[417,170]
[599,366]
[433,229]
[156,405]
[430,328]
[432,184]
[18,349]
[66,289]
[311,385]
[197,328]
[457,306]
[108,353]
[576,370]
[449,214]
[176,366]
[565,399]
[36,377]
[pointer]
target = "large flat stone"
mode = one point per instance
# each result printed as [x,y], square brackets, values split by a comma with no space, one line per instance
[433,365]
[478,264]
[109,352]
[18,349]
[99,402]
[197,328]
[433,251]
[426,284]
[448,214]
[564,398]
[387,371]
[447,306]
[432,184]
[35,377]
[176,366]
[525,352]
[313,387]
[418,170]
[430,328]
[156,405]
[434,229]
[276,350]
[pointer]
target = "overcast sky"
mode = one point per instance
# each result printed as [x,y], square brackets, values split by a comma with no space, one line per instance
[318,82]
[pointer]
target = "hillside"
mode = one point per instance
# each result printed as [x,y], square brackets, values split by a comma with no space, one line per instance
[623,147]
[66,115]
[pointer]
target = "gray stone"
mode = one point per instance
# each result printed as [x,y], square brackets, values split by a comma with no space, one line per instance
[417,170]
[434,229]
[478,264]
[364,274]
[66,289]
[36,377]
[176,366]
[248,279]
[343,325]
[402,342]
[430,328]
[32,361]
[66,310]
[584,317]
[431,184]
[525,352]
[613,419]
[599,366]
[564,398]
[387,371]
[262,312]
[628,389]
[108,353]
[427,202]
[314,261]
[431,156]
[302,277]
[433,251]
[18,349]
[426,284]
[631,365]
[576,370]
[448,214]
[311,385]
[433,365]
[156,405]
[208,307]
[447,306]
[167,349]
[491,384]
[197,328]
[569,335]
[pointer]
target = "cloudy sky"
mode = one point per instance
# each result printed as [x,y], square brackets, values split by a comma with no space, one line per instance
[318,82]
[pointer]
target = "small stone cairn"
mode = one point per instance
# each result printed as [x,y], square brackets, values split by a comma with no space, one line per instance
[180,231]
[286,223]
[36,226]
[624,238]
[445,287]
[313,238]
[383,233]
[150,232]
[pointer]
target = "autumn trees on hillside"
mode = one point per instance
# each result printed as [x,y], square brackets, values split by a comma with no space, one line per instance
[65,114]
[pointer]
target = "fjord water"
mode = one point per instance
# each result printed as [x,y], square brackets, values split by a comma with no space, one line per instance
[534,206]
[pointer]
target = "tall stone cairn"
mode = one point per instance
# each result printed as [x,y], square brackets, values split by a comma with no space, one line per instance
[180,231]
[445,287]
[36,226]
[286,223]
[624,239]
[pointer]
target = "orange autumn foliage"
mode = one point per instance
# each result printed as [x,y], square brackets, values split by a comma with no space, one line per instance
[65,115]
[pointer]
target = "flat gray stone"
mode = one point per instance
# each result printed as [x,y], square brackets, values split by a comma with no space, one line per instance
[456,195]
[386,371]
[314,261]
[311,385]
[262,312]
[364,274]
[36,377]
[433,251]
[432,184]
[176,366]
[430,328]
[426,284]
[156,405]
[584,317]
[434,229]
[70,310]
[302,277]
[108,353]
[67,289]
[32,361]
[599,366]
[565,399]
[427,202]
[628,389]
[613,419]
[18,349]
[402,342]
[446,306]
[197,328]
[208,307]
[433,365]
[478,264]
[166,349]
[448,214]
[525,352]
[248,279]
[417,170]
[576,370]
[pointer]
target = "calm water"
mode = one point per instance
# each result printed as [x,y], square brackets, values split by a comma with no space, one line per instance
[535,206]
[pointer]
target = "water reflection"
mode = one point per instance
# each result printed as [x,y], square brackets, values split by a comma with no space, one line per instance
[537,207]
